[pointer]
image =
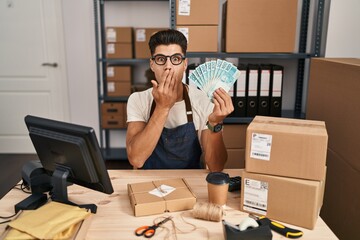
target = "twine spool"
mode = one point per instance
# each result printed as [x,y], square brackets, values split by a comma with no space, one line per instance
[208,211]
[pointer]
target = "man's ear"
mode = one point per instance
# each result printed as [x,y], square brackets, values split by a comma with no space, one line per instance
[151,64]
[185,64]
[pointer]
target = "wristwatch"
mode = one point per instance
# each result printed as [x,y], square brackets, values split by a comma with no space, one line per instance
[217,128]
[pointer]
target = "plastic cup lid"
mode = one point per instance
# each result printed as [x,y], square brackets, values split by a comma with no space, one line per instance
[218,178]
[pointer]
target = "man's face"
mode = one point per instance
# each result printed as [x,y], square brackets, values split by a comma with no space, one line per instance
[168,50]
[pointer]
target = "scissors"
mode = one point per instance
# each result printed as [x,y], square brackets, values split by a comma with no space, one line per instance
[149,231]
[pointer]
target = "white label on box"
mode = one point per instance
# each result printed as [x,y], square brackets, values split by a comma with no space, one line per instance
[260,146]
[255,196]
[110,72]
[184,8]
[111,35]
[111,87]
[140,35]
[184,31]
[110,48]
[162,190]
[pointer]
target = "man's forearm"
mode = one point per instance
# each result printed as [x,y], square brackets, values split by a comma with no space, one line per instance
[215,153]
[142,144]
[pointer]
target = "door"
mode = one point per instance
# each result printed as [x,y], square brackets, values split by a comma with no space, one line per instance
[32,69]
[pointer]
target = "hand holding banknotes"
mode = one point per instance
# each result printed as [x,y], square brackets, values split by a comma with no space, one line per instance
[164,91]
[222,106]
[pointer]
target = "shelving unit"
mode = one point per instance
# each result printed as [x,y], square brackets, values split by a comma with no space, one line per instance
[314,15]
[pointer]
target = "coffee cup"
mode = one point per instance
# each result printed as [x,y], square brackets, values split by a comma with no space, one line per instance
[218,186]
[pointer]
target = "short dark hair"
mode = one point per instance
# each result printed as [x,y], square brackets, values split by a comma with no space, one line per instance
[167,37]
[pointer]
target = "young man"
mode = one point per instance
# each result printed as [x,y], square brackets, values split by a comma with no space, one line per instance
[166,121]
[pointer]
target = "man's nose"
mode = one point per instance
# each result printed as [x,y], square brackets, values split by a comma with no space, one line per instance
[168,64]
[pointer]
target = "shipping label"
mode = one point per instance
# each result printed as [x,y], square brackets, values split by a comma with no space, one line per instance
[260,146]
[255,196]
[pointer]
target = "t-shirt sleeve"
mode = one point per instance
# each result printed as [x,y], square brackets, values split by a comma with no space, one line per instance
[136,111]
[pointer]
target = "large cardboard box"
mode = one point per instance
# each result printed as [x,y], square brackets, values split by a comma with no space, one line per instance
[200,38]
[119,50]
[113,115]
[286,147]
[119,34]
[118,73]
[333,97]
[197,12]
[260,25]
[289,200]
[142,37]
[144,201]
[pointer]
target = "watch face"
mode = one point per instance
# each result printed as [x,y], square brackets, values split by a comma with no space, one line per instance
[217,128]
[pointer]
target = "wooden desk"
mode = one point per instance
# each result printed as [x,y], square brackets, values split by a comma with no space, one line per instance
[115,218]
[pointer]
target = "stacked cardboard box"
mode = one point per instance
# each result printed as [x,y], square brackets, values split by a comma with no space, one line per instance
[234,136]
[198,20]
[142,37]
[119,42]
[259,25]
[118,81]
[113,115]
[285,163]
[333,97]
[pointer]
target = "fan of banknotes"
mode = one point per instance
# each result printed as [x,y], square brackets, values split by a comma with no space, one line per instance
[214,74]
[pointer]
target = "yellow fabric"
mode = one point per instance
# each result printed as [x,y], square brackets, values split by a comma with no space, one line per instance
[51,221]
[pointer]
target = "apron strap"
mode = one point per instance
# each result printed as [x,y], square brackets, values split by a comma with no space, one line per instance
[187,105]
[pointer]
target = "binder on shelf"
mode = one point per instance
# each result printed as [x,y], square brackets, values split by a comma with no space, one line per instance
[277,73]
[252,83]
[264,90]
[239,100]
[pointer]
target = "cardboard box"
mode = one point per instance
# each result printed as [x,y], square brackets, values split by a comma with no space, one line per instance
[200,38]
[144,203]
[118,89]
[113,108]
[113,121]
[236,158]
[119,34]
[142,37]
[113,115]
[197,12]
[260,25]
[234,135]
[118,73]
[119,50]
[289,200]
[286,147]
[333,98]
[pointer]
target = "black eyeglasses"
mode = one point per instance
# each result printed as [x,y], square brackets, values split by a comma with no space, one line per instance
[175,59]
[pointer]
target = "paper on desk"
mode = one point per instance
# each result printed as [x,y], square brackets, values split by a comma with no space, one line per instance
[162,190]
[50,221]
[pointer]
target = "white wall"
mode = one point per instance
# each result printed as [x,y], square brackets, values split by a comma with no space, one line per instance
[343,38]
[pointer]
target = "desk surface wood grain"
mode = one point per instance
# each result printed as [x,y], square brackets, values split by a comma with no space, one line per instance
[115,219]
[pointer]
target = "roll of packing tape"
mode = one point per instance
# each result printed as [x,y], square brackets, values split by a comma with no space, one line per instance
[247,223]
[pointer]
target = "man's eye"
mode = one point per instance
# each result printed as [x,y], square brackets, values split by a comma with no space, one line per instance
[160,59]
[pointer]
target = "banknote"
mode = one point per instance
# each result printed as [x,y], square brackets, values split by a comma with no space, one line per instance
[214,74]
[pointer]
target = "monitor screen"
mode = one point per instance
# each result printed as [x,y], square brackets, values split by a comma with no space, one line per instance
[71,152]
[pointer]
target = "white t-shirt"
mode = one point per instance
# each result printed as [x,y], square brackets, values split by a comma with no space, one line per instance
[139,105]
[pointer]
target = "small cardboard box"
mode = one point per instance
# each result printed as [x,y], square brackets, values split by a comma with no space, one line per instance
[286,147]
[119,50]
[260,25]
[118,89]
[144,203]
[142,37]
[118,73]
[200,38]
[289,200]
[197,12]
[113,108]
[119,34]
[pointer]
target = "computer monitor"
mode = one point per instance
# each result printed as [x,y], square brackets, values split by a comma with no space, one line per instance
[69,153]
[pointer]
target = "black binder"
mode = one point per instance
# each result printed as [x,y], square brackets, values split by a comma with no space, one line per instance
[252,83]
[264,90]
[239,99]
[277,74]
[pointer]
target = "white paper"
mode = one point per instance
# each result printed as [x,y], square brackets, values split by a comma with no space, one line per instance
[110,72]
[261,146]
[255,196]
[110,48]
[162,190]
[140,35]
[184,8]
[111,35]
